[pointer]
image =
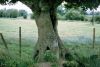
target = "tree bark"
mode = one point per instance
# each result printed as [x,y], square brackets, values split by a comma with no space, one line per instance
[62,49]
[48,38]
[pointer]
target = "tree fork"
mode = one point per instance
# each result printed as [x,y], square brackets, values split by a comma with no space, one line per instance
[48,37]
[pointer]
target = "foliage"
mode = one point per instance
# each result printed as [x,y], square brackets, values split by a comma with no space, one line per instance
[74,14]
[97,18]
[71,14]
[49,56]
[10,13]
[70,3]
[84,4]
[23,13]
[61,10]
[68,57]
[13,13]
[70,64]
[54,65]
[61,17]
[2,13]
[25,16]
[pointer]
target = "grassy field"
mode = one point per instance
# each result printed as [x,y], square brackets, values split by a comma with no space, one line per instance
[76,35]
[68,30]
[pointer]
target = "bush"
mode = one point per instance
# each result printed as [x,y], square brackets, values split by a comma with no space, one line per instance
[25,16]
[61,17]
[10,13]
[73,14]
[2,13]
[49,56]
[97,18]
[70,64]
[14,13]
[23,13]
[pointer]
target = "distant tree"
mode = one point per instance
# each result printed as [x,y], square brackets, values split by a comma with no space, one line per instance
[12,13]
[75,14]
[61,10]
[23,13]
[2,13]
[8,13]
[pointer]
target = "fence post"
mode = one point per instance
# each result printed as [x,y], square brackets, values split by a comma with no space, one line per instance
[5,44]
[93,37]
[20,41]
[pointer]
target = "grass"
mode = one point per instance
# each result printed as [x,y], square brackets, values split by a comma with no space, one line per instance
[76,35]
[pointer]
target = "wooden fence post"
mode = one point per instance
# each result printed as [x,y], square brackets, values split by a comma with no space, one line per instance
[93,22]
[5,44]
[20,41]
[93,37]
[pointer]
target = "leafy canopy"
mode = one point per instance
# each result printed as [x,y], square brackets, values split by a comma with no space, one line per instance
[53,3]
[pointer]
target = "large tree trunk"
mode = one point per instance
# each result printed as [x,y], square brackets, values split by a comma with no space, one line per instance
[48,38]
